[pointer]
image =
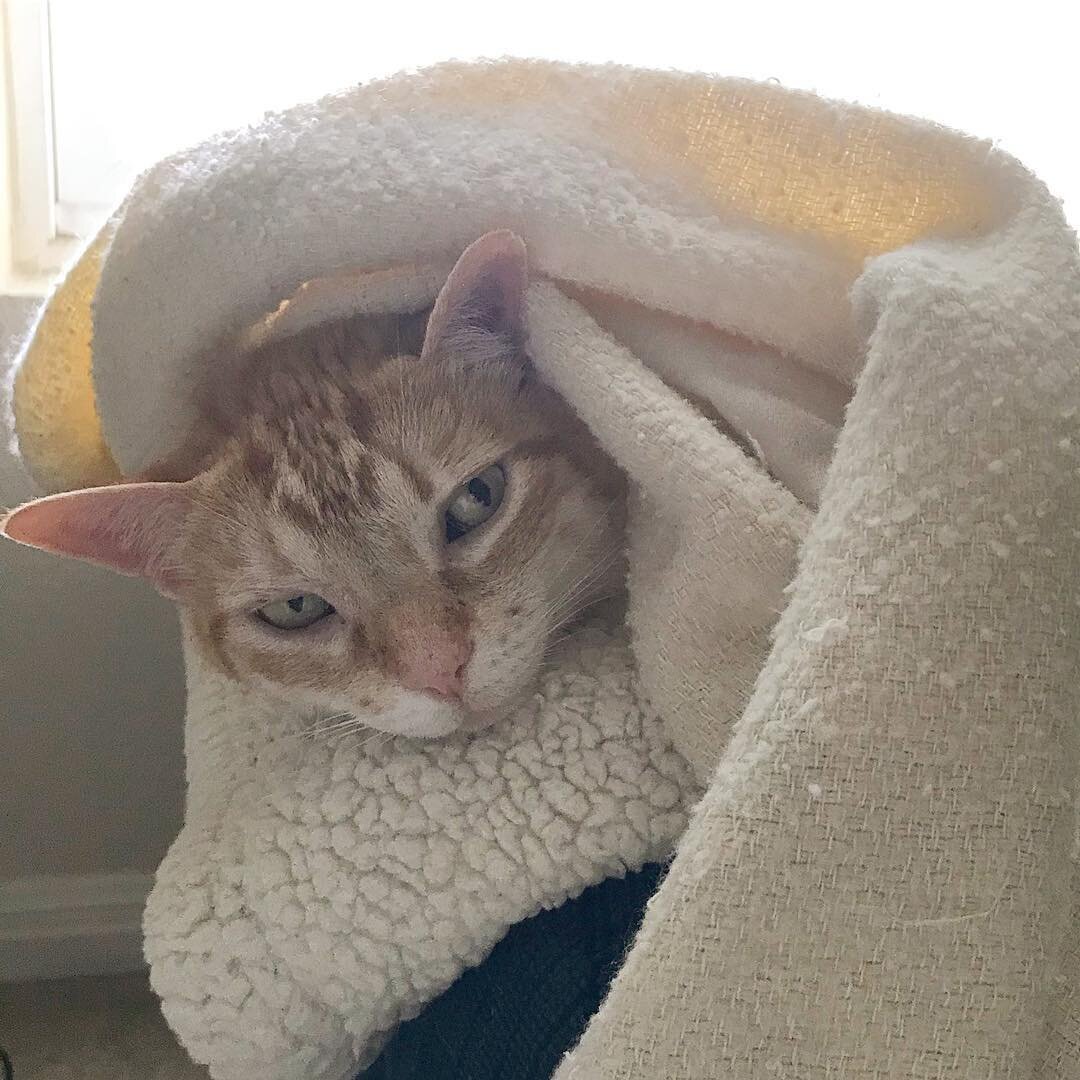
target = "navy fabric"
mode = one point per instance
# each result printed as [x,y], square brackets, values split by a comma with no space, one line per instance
[516,1014]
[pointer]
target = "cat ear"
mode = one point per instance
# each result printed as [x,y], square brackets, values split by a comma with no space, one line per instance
[479,316]
[131,528]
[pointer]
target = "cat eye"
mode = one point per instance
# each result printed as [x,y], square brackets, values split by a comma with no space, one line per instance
[296,612]
[475,502]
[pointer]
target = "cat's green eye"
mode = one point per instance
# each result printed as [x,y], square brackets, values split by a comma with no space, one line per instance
[296,612]
[474,502]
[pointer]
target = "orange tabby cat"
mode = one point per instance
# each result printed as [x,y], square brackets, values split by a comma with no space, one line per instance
[370,531]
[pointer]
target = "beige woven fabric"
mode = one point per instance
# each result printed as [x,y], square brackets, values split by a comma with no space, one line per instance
[879,882]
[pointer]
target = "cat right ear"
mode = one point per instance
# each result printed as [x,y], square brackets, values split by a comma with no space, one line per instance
[479,316]
[131,528]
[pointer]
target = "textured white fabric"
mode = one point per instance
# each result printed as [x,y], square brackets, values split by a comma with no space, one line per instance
[325,887]
[213,239]
[878,881]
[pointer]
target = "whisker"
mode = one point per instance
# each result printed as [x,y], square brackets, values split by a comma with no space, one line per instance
[597,521]
[339,723]
[347,723]
[581,609]
[376,740]
[571,615]
[324,723]
[576,586]
[556,611]
[332,717]
[556,642]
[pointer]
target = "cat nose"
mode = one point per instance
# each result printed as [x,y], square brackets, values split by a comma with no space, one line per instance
[437,667]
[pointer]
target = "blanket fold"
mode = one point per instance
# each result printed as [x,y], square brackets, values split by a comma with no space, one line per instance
[837,352]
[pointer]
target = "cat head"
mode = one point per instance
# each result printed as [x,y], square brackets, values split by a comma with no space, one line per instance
[395,537]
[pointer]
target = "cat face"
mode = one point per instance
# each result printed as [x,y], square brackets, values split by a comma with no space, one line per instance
[402,544]
[392,537]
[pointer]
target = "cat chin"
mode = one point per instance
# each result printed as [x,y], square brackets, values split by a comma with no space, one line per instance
[418,716]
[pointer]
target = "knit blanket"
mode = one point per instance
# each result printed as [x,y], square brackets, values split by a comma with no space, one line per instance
[865,659]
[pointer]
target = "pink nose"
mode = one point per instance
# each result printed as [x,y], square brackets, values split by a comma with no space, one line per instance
[436,666]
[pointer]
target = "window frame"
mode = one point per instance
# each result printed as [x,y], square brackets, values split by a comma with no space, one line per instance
[42,239]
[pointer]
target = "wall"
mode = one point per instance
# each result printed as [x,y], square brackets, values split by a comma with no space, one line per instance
[91,764]
[91,715]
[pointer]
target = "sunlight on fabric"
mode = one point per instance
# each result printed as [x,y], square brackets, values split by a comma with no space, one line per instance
[134,81]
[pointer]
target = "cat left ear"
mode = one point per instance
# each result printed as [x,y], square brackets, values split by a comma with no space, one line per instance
[479,316]
[131,528]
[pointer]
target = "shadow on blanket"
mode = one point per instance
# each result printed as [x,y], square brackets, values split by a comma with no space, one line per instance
[514,1016]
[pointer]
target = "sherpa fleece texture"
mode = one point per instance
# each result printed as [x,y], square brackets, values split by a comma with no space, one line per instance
[879,880]
[324,889]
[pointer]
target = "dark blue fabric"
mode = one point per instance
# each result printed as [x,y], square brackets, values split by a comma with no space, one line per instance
[514,1016]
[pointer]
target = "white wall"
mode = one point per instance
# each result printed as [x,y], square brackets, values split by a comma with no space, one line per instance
[91,714]
[91,762]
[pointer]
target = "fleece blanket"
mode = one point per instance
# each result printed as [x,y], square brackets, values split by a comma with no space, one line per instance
[865,659]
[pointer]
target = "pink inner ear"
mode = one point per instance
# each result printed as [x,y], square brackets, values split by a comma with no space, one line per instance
[131,528]
[485,292]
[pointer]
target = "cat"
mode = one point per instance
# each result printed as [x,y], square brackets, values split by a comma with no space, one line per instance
[388,530]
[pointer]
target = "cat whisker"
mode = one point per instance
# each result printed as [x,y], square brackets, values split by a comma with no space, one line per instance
[565,596]
[575,588]
[549,658]
[322,721]
[597,522]
[346,723]
[569,618]
[330,725]
[556,611]
[556,643]
[376,740]
[333,716]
